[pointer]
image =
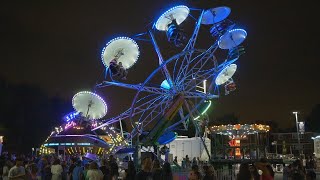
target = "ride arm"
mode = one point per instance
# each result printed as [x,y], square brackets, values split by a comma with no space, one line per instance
[138,87]
[164,122]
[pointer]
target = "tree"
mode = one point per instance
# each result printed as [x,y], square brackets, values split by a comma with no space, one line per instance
[274,126]
[27,115]
[313,119]
[225,119]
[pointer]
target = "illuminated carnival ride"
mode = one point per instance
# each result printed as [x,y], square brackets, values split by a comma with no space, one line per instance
[75,135]
[180,89]
[239,132]
[169,98]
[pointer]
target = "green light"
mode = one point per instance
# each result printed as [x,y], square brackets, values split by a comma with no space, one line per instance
[205,110]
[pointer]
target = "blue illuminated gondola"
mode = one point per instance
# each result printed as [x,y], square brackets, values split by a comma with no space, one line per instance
[167,138]
[126,151]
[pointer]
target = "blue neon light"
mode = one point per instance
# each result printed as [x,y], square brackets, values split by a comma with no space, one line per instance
[233,30]
[53,144]
[67,144]
[165,85]
[84,144]
[167,138]
[70,116]
[230,34]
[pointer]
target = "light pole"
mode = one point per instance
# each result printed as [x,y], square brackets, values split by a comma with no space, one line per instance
[275,143]
[296,115]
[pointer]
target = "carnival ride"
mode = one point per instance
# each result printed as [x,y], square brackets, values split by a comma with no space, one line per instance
[168,98]
[75,135]
[239,132]
[178,92]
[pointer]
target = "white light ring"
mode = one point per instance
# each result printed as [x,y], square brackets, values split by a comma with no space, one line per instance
[225,74]
[130,49]
[179,13]
[232,38]
[221,14]
[80,102]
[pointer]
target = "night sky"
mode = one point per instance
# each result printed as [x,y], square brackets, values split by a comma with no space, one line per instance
[56,45]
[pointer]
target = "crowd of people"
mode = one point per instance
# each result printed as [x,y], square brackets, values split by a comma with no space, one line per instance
[263,170]
[300,170]
[153,170]
[51,167]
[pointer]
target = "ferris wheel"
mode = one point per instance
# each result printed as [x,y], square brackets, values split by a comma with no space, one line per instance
[169,98]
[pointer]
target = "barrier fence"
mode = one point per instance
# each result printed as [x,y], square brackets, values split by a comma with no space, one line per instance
[220,174]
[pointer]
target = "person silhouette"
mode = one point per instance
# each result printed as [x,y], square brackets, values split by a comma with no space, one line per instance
[122,71]
[114,67]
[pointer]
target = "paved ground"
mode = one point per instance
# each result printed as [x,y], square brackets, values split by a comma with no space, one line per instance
[278,176]
[183,176]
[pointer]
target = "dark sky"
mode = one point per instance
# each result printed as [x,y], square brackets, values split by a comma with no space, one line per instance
[57,44]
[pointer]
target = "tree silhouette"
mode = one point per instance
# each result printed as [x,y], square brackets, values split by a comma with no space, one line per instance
[27,115]
[313,119]
[225,119]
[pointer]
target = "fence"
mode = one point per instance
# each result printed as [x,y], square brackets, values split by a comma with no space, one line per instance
[220,174]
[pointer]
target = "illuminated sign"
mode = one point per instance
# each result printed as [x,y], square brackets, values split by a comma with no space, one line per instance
[70,116]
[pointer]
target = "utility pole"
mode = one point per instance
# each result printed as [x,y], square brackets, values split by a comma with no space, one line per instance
[275,143]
